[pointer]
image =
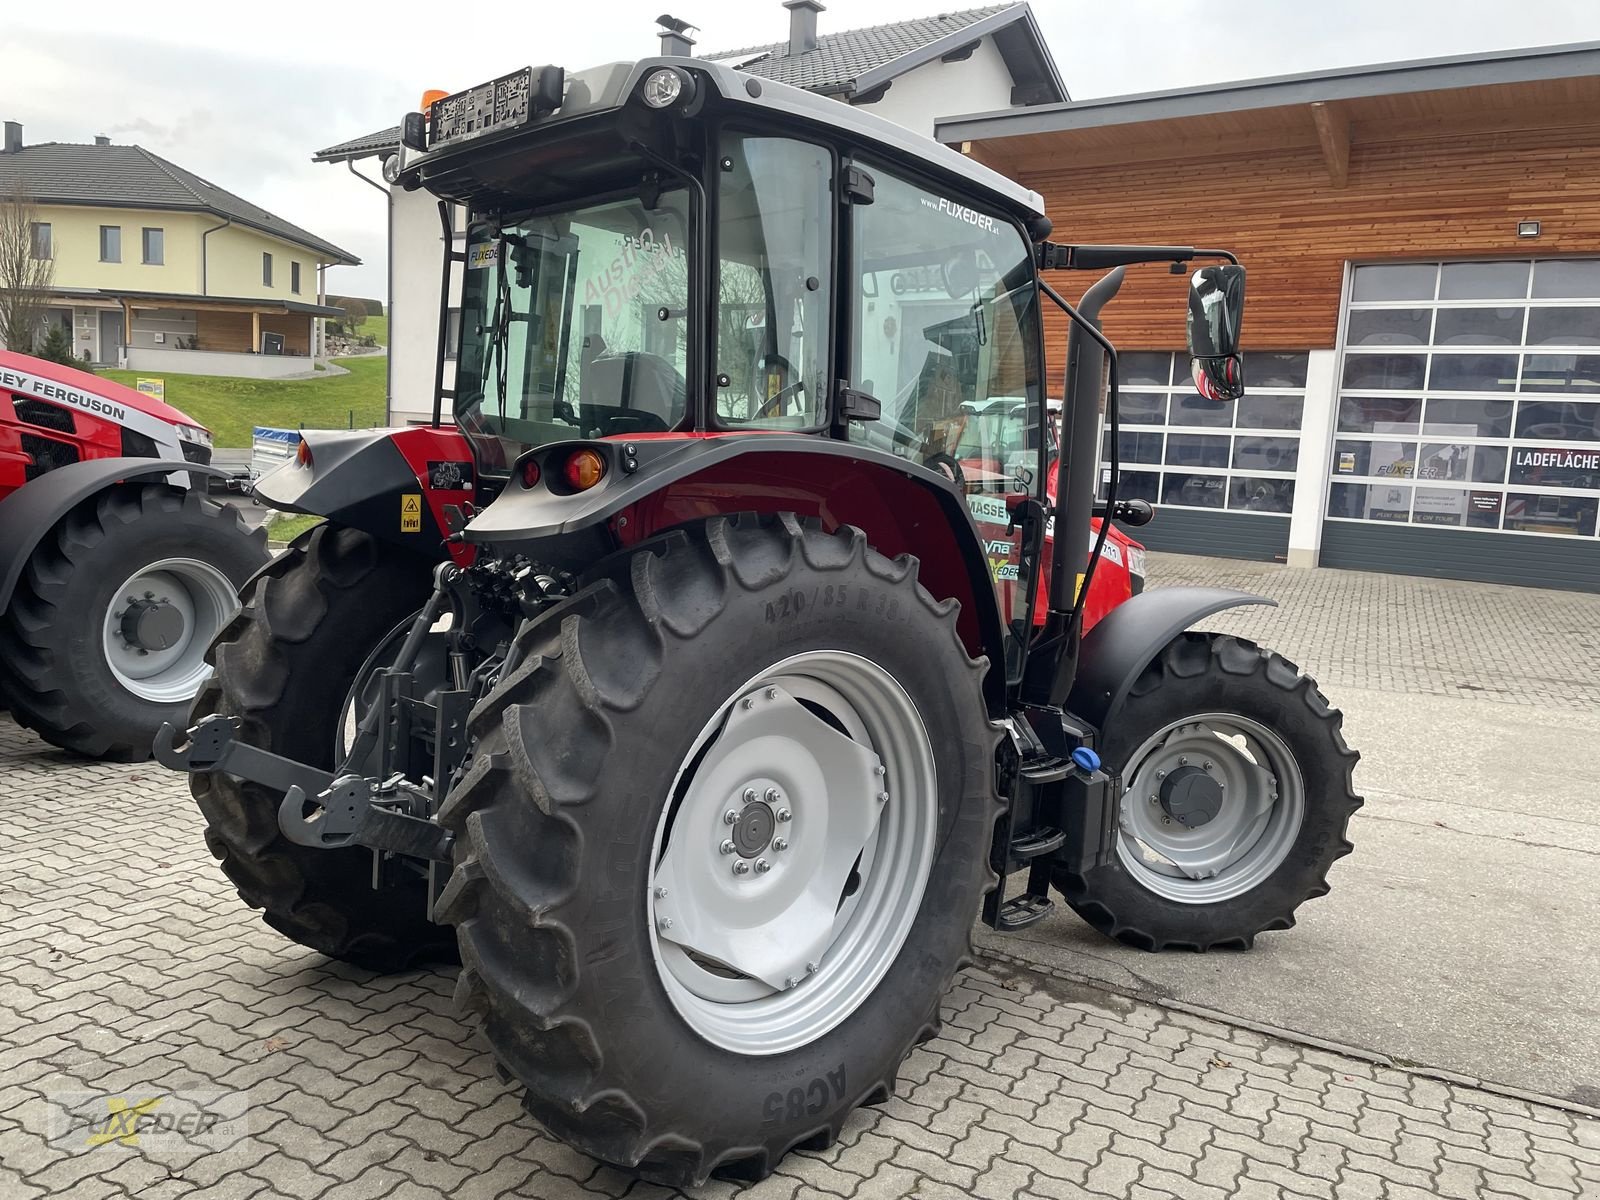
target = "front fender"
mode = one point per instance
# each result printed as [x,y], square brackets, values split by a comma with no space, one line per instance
[31,512]
[1118,649]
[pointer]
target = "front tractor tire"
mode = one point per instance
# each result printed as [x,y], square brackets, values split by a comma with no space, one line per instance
[1238,793]
[720,846]
[105,637]
[287,666]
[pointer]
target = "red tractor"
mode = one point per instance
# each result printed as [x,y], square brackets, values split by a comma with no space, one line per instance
[115,572]
[706,680]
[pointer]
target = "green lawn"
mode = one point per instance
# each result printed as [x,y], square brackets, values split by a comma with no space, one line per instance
[285,527]
[378,327]
[229,407]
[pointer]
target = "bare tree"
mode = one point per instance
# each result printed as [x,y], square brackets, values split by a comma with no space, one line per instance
[24,276]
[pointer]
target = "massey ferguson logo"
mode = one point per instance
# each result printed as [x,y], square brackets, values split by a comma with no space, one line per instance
[29,385]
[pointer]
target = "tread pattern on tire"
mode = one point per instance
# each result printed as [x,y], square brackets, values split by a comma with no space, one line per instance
[310,896]
[1191,655]
[518,864]
[31,684]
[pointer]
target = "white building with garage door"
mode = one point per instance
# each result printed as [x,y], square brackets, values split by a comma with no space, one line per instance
[1423,315]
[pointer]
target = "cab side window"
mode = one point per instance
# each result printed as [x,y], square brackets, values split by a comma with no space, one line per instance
[944,336]
[774,249]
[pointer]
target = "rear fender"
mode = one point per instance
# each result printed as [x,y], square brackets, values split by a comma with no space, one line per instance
[396,484]
[676,480]
[30,513]
[1126,641]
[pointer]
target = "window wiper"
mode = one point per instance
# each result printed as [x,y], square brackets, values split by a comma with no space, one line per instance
[500,327]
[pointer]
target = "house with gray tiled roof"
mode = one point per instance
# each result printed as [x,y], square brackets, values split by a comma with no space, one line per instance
[159,269]
[913,72]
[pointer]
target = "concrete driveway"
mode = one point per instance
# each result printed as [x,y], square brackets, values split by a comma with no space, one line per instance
[1459,938]
[1462,933]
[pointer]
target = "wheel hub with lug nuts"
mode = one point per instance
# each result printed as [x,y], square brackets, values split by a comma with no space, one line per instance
[151,623]
[753,829]
[1191,796]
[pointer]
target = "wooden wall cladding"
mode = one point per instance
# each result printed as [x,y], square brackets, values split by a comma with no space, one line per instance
[1426,192]
[296,330]
[225,331]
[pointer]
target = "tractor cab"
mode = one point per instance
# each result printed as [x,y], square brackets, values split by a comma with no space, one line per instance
[730,256]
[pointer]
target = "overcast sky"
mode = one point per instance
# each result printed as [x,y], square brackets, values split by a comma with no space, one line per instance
[244,94]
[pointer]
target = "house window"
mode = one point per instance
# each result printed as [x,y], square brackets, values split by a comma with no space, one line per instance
[155,247]
[294,278]
[111,243]
[41,239]
[266,270]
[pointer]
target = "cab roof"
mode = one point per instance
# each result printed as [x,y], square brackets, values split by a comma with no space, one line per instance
[593,94]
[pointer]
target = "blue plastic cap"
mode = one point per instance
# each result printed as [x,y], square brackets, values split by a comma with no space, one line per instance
[1086,759]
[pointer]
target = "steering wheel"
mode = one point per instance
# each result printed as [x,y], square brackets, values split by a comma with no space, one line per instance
[765,367]
[948,466]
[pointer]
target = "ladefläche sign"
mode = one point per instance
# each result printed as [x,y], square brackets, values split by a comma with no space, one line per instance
[1557,460]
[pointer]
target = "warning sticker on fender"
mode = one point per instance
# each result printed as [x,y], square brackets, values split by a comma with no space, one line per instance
[411,513]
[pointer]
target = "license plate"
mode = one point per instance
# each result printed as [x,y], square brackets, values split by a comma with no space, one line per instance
[499,104]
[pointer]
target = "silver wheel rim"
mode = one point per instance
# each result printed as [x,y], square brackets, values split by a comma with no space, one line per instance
[1169,844]
[826,753]
[195,600]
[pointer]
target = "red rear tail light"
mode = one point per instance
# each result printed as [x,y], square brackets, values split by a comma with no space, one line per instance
[302,454]
[530,473]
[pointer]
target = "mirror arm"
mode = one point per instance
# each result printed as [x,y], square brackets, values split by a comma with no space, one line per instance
[1054,256]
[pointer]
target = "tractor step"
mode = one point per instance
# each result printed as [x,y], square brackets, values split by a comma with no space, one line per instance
[1021,911]
[1040,841]
[1040,772]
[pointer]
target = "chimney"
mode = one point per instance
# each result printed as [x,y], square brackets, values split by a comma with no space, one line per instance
[13,136]
[101,139]
[802,24]
[675,39]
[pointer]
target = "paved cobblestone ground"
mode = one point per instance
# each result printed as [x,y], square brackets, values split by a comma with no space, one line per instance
[1438,637]
[127,966]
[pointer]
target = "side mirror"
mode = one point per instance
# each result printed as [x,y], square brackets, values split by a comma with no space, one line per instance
[960,274]
[1216,311]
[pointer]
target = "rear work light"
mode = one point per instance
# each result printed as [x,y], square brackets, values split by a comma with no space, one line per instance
[666,86]
[583,469]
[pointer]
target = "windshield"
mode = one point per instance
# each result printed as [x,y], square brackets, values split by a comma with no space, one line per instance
[574,325]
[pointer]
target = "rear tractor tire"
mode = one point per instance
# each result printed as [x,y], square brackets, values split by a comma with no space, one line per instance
[721,844]
[1238,793]
[106,635]
[288,666]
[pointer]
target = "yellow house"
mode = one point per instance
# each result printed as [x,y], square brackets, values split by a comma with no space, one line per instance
[158,269]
